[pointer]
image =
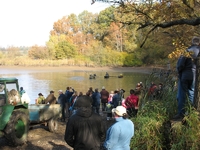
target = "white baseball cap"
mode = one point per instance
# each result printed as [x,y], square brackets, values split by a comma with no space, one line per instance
[119,110]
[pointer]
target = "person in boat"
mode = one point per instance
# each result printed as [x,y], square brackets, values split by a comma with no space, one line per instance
[107,74]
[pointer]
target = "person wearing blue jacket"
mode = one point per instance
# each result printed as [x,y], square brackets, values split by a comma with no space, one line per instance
[119,135]
[96,96]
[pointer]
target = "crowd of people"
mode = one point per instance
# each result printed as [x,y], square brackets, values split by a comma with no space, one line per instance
[83,112]
[50,99]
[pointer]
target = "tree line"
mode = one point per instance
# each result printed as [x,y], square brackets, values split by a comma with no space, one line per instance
[128,34]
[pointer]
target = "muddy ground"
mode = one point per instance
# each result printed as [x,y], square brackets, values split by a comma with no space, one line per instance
[39,138]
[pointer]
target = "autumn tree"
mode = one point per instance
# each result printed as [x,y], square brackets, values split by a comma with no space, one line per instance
[64,50]
[38,52]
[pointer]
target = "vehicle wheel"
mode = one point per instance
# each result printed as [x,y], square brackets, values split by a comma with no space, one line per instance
[53,125]
[17,128]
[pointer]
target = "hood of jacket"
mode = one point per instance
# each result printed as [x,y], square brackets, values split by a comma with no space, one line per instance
[84,111]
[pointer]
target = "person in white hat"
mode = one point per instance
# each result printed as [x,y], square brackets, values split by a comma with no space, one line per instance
[119,135]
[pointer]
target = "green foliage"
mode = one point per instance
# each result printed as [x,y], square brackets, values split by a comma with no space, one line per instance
[132,60]
[149,127]
[65,49]
[153,127]
[185,135]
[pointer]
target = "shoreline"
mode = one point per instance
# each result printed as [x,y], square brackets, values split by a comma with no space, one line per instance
[76,68]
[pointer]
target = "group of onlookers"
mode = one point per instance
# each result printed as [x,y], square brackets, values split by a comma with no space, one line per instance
[86,129]
[50,99]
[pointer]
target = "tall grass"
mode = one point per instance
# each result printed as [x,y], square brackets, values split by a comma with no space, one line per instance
[154,129]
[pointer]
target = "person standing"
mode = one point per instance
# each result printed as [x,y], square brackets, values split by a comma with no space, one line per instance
[68,93]
[104,98]
[51,99]
[90,92]
[84,129]
[185,75]
[116,99]
[119,135]
[61,101]
[131,103]
[40,99]
[96,96]
[22,91]
[194,52]
[110,96]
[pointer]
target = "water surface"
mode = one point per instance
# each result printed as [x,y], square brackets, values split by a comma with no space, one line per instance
[35,82]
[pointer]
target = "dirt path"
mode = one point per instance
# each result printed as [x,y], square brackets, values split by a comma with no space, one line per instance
[39,138]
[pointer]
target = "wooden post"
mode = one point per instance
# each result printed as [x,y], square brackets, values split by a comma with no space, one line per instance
[197,85]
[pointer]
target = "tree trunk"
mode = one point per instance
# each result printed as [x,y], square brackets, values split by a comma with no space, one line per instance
[197,86]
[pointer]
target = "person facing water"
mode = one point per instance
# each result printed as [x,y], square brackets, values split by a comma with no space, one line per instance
[119,135]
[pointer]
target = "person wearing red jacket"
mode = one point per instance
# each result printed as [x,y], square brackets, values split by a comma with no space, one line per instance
[131,103]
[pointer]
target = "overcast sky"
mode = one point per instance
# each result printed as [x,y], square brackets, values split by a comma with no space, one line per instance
[28,22]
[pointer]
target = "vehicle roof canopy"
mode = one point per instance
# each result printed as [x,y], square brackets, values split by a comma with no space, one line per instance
[8,80]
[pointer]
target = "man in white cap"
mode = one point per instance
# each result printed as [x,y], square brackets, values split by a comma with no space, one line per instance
[119,135]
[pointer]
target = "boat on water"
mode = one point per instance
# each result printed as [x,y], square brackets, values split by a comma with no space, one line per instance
[106,76]
[92,76]
[120,76]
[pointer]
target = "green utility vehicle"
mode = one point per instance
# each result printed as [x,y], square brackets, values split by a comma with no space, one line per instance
[14,115]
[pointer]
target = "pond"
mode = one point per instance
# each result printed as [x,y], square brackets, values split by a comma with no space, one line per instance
[35,82]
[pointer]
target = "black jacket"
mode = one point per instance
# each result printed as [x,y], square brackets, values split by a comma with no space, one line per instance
[85,130]
[184,68]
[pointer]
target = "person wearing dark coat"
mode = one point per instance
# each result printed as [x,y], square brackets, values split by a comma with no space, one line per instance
[185,73]
[61,101]
[84,129]
[51,99]
[96,96]
[116,99]
[68,93]
[104,98]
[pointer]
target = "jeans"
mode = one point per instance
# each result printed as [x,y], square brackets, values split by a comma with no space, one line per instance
[184,86]
[103,105]
[191,90]
[63,111]
[96,109]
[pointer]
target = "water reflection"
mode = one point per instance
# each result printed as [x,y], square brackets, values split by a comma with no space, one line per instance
[43,82]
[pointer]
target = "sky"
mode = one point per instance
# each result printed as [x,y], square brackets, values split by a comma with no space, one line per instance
[29,22]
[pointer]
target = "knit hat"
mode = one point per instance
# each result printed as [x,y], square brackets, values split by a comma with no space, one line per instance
[83,101]
[119,110]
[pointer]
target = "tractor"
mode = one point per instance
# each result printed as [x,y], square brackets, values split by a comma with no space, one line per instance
[14,114]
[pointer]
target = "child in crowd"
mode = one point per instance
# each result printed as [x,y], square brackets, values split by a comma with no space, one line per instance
[40,99]
[109,111]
